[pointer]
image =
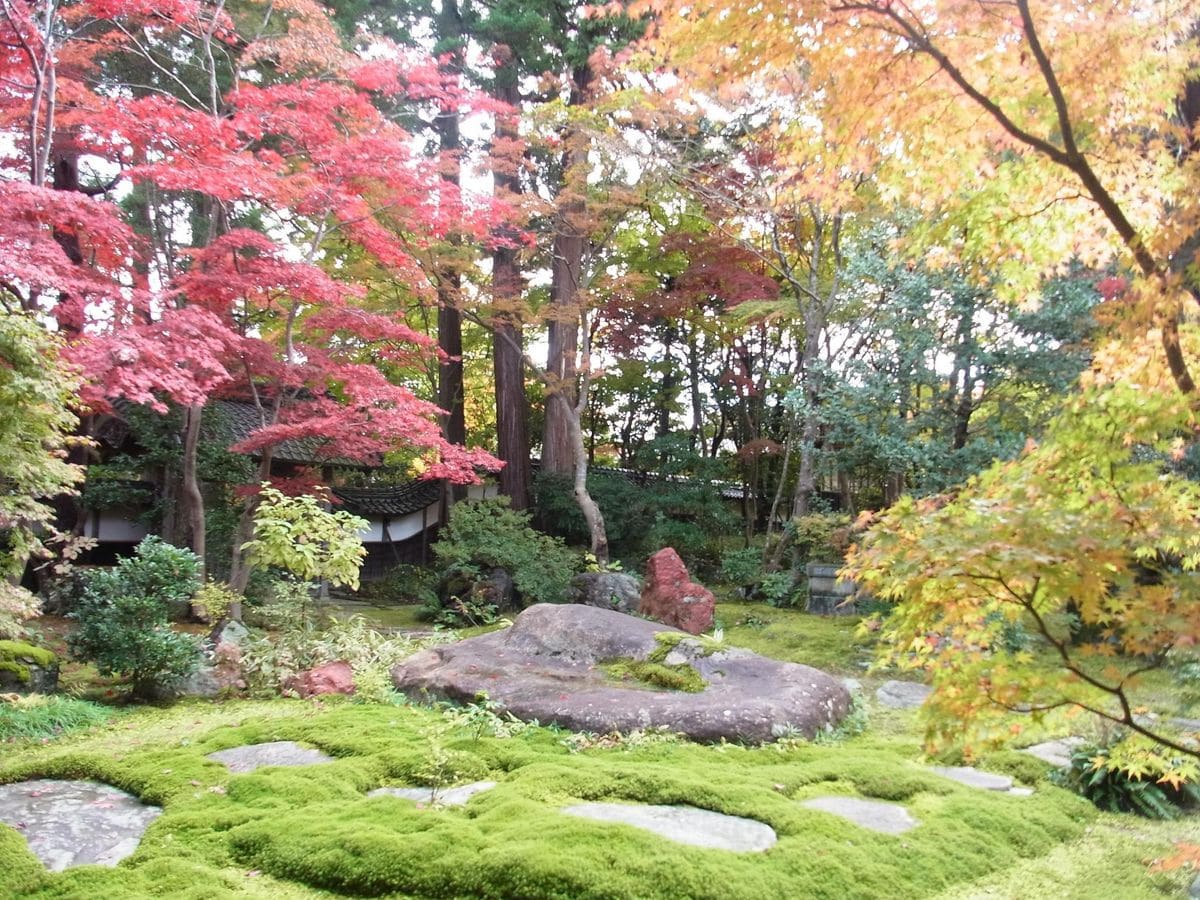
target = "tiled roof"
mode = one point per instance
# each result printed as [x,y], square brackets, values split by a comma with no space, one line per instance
[236,420]
[391,500]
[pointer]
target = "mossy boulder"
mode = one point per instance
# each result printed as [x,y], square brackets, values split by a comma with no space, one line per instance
[27,669]
[555,664]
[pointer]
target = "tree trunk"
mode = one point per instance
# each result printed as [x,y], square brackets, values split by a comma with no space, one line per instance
[508,346]
[566,272]
[587,505]
[239,570]
[449,279]
[806,471]
[192,497]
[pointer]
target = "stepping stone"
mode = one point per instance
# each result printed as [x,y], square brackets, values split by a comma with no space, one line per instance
[455,796]
[1192,725]
[971,777]
[684,824]
[274,753]
[75,823]
[902,694]
[1057,753]
[886,818]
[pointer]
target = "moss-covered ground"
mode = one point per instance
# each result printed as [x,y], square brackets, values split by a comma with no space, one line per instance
[313,831]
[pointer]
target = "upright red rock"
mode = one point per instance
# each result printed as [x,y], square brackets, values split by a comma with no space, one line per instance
[671,597]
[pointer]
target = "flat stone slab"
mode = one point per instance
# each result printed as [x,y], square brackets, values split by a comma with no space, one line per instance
[971,777]
[273,753]
[1057,753]
[684,825]
[75,823]
[886,818]
[902,694]
[545,667]
[455,796]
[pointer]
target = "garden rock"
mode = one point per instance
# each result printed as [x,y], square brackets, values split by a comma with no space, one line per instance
[25,669]
[330,678]
[902,694]
[1056,753]
[671,597]
[886,818]
[1194,890]
[971,777]
[230,632]
[73,823]
[684,825]
[498,590]
[545,667]
[274,753]
[220,673]
[606,590]
[455,796]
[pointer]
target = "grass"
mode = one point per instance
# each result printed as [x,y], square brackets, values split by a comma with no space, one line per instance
[827,642]
[38,718]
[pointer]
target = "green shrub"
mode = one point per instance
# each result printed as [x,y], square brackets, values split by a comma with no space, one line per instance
[402,584]
[820,537]
[215,599]
[487,534]
[1114,790]
[123,618]
[298,535]
[38,717]
[742,567]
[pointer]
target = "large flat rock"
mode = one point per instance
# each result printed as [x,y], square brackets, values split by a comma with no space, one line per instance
[886,818]
[75,823]
[450,796]
[972,777]
[1056,753]
[684,825]
[544,668]
[273,753]
[902,694]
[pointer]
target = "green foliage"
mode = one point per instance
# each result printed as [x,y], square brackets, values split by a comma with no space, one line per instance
[742,567]
[215,598]
[893,409]
[683,510]
[483,717]
[38,717]
[1053,579]
[36,424]
[402,584]
[820,537]
[1113,789]
[296,534]
[487,534]
[460,612]
[123,618]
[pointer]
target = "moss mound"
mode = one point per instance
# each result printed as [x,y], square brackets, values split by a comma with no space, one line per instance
[305,831]
[655,675]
